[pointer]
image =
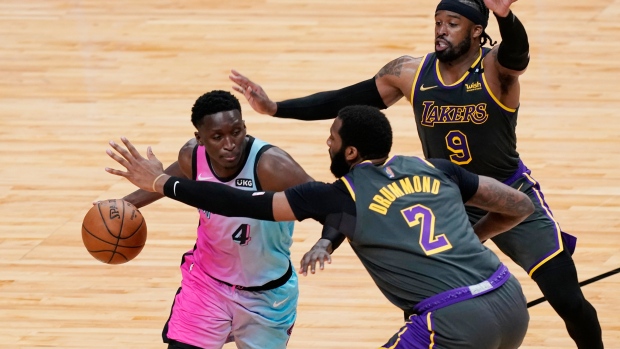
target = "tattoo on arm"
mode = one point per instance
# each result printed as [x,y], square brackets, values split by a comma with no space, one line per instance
[395,67]
[494,196]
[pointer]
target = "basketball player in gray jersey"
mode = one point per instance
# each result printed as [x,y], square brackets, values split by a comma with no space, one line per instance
[406,221]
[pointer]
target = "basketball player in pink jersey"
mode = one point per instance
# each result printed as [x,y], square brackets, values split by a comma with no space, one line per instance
[238,282]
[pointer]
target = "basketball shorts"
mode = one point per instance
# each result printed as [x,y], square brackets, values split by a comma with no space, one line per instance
[206,313]
[495,320]
[535,240]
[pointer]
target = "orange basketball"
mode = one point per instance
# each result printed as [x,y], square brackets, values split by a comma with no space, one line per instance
[114,231]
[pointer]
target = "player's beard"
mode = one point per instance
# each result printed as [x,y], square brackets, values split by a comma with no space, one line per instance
[454,52]
[339,165]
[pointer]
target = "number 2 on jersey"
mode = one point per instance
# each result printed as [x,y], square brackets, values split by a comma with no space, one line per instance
[242,234]
[424,217]
[456,141]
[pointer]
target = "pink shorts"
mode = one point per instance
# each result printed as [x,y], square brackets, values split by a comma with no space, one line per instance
[206,312]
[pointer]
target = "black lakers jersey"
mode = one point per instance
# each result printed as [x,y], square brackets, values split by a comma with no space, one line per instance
[464,122]
[412,232]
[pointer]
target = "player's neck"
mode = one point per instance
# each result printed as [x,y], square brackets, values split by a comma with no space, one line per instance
[452,71]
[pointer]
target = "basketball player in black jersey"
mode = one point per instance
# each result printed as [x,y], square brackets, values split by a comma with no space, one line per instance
[405,219]
[465,99]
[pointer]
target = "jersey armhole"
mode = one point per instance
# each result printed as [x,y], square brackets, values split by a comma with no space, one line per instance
[195,162]
[415,78]
[488,89]
[258,155]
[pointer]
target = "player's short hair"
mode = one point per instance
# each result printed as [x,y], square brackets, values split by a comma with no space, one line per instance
[367,129]
[213,102]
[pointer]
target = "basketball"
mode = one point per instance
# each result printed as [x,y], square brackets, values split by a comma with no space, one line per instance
[114,231]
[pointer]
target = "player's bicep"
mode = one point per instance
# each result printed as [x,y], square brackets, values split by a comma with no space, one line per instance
[395,78]
[494,196]
[281,209]
[278,171]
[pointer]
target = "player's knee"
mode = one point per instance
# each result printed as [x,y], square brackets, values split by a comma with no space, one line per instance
[568,304]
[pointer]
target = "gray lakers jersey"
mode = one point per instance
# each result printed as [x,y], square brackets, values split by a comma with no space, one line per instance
[412,232]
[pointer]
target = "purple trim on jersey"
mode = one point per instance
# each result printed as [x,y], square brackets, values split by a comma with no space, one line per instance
[570,241]
[518,173]
[346,178]
[414,335]
[390,160]
[460,294]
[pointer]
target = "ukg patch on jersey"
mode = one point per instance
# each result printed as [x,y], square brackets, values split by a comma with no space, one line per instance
[244,182]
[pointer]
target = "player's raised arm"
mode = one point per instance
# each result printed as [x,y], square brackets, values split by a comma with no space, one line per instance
[148,174]
[390,84]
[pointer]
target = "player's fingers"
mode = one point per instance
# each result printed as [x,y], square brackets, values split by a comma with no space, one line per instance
[118,159]
[313,265]
[116,172]
[303,269]
[151,156]
[121,151]
[238,89]
[322,263]
[132,150]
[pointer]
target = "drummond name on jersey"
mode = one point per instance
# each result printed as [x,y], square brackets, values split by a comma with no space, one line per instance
[408,185]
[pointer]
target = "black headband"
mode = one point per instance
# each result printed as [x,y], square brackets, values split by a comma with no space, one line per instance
[464,10]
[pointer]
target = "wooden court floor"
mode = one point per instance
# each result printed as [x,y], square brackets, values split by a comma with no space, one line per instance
[75,74]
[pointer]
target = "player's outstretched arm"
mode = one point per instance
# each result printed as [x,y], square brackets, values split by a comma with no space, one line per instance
[506,207]
[504,64]
[148,174]
[389,85]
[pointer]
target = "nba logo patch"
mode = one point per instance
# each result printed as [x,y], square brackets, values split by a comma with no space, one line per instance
[389,172]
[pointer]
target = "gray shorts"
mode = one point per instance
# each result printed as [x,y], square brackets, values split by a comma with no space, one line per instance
[495,320]
[535,240]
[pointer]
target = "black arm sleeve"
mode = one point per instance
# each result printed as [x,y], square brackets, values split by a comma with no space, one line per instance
[325,105]
[221,199]
[333,235]
[330,204]
[467,181]
[514,50]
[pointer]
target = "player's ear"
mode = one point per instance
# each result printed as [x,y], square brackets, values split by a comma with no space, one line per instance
[477,31]
[198,139]
[351,154]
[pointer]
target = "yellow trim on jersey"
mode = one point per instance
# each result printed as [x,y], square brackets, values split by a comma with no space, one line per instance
[430,329]
[486,85]
[348,185]
[426,161]
[557,227]
[462,77]
[398,340]
[415,78]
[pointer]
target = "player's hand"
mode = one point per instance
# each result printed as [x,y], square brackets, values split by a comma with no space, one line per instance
[255,94]
[316,254]
[499,7]
[140,171]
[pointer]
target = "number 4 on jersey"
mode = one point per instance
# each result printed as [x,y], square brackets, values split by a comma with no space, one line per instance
[242,234]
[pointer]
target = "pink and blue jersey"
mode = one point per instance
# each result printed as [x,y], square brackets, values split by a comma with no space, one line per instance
[240,251]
